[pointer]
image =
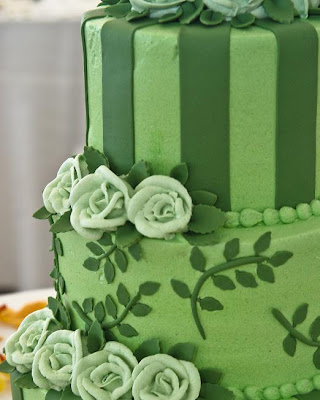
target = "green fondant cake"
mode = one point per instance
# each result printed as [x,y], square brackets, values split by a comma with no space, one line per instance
[186,235]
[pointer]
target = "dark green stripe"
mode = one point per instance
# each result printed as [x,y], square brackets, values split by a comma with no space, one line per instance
[296,111]
[17,393]
[205,89]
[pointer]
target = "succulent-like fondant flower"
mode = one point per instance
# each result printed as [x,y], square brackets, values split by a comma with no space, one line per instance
[56,195]
[232,8]
[160,207]
[157,8]
[55,361]
[106,374]
[99,203]
[166,378]
[22,346]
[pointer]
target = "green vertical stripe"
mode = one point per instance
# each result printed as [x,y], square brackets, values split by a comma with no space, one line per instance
[204,90]
[17,393]
[296,111]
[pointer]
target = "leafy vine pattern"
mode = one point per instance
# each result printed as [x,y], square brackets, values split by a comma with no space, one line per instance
[246,279]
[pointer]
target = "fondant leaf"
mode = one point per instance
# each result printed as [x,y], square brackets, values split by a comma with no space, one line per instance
[232,249]
[62,224]
[223,282]
[54,274]
[119,10]
[300,314]
[263,243]
[106,240]
[42,213]
[6,368]
[127,235]
[123,295]
[58,246]
[67,394]
[206,219]
[290,345]
[134,15]
[243,20]
[136,251]
[315,329]
[246,279]
[53,304]
[195,239]
[211,18]
[99,312]
[210,375]
[81,314]
[95,340]
[279,10]
[95,248]
[181,289]
[212,391]
[109,272]
[91,264]
[111,306]
[63,316]
[53,395]
[210,304]
[140,171]
[149,288]
[265,273]
[87,305]
[316,358]
[180,173]
[127,330]
[121,260]
[203,197]
[25,381]
[190,11]
[171,16]
[62,284]
[140,310]
[183,351]
[147,348]
[197,260]
[94,159]
[280,258]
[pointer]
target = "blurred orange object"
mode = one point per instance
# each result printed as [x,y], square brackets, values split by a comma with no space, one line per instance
[14,318]
[4,378]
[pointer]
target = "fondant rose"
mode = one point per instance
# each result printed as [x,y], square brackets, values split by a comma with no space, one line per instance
[314,3]
[160,207]
[99,203]
[106,374]
[232,8]
[166,378]
[54,363]
[156,8]
[56,195]
[22,346]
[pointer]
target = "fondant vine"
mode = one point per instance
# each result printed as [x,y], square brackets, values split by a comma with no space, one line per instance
[233,261]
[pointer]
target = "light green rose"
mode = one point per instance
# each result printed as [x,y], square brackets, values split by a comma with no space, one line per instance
[56,195]
[105,375]
[314,3]
[22,346]
[166,378]
[55,361]
[157,8]
[160,207]
[232,8]
[99,203]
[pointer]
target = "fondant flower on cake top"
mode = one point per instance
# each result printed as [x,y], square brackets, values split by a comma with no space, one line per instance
[156,8]
[22,346]
[160,207]
[99,203]
[56,195]
[232,8]
[164,377]
[55,361]
[106,374]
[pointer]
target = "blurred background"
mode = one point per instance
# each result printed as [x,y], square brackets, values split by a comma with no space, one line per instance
[42,122]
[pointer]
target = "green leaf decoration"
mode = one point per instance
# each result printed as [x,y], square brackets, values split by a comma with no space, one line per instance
[210,375]
[119,10]
[223,282]
[315,329]
[63,316]
[280,258]
[123,295]
[127,330]
[99,312]
[62,224]
[111,307]
[316,358]
[246,279]
[171,16]
[232,249]
[62,284]
[300,314]
[81,313]
[206,219]
[95,249]
[67,394]
[191,10]
[181,289]
[140,310]
[149,288]
[135,15]
[53,395]
[58,246]
[183,351]
[106,240]
[127,235]
[87,305]
[95,340]
[147,348]
[140,171]
[279,10]
[210,304]
[42,213]
[136,251]
[121,260]
[243,20]
[202,196]
[109,271]
[210,239]
[91,264]
[290,345]
[180,172]
[212,391]
[265,273]
[6,368]
[94,159]
[25,381]
[263,243]
[211,18]
[197,260]
[53,304]
[54,274]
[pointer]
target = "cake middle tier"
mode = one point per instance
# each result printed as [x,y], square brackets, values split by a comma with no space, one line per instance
[239,106]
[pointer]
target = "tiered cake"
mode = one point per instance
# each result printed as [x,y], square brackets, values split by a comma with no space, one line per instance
[187,235]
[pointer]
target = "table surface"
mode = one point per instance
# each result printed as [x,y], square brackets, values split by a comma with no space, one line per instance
[16,301]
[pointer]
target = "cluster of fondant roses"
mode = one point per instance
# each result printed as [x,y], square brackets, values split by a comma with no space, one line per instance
[159,206]
[60,358]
